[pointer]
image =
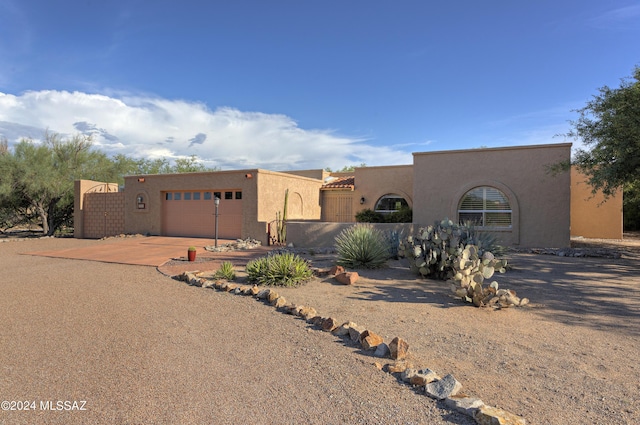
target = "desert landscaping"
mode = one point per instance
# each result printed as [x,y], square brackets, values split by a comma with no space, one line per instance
[129,340]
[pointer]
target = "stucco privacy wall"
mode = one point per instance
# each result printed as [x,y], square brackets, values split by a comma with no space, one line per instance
[95,219]
[303,201]
[321,234]
[591,216]
[540,201]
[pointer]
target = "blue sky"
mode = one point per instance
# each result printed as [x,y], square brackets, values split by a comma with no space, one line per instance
[307,84]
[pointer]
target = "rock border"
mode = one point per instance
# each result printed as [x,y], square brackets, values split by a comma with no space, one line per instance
[446,389]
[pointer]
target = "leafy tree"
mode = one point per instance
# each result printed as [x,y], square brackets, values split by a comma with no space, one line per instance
[346,168]
[610,126]
[38,178]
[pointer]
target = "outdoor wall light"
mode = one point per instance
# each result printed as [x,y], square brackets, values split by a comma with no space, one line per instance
[362,200]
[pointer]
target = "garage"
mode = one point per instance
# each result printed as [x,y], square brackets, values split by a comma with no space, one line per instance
[192,213]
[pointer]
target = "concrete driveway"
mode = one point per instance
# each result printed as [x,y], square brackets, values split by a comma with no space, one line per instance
[141,251]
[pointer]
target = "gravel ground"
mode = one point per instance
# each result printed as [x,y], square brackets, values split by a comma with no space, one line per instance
[131,346]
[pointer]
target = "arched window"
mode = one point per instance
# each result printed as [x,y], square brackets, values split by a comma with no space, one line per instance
[390,203]
[485,206]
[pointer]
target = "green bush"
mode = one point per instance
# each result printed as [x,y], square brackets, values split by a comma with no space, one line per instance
[369,216]
[283,269]
[225,271]
[362,246]
[403,215]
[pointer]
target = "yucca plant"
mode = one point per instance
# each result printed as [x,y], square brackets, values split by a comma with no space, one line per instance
[226,271]
[362,246]
[284,269]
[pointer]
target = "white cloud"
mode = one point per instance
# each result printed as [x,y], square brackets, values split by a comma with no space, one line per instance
[621,18]
[150,127]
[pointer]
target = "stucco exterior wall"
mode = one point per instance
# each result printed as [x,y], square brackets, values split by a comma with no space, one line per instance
[540,201]
[304,196]
[372,183]
[321,234]
[591,215]
[81,187]
[149,220]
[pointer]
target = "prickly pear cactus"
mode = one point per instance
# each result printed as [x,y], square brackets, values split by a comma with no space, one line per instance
[433,250]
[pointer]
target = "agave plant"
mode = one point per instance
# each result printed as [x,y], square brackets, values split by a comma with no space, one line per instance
[284,269]
[226,271]
[362,246]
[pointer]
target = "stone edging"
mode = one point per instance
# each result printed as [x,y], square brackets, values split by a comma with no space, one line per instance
[446,389]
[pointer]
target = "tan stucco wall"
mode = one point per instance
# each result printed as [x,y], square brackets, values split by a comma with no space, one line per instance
[591,216]
[540,201]
[262,197]
[304,196]
[321,234]
[80,188]
[150,220]
[372,183]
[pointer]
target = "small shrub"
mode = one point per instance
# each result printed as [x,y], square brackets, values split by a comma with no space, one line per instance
[283,269]
[369,216]
[362,246]
[226,271]
[403,215]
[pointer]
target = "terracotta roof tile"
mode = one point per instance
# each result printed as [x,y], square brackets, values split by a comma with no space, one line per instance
[341,183]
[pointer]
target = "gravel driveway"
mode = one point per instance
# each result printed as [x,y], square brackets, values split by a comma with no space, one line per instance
[91,342]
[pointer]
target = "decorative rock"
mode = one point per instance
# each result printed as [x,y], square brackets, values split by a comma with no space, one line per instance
[465,405]
[343,330]
[218,284]
[446,387]
[370,340]
[263,294]
[399,348]
[354,333]
[382,350]
[329,324]
[429,375]
[407,374]
[231,287]
[272,297]
[208,284]
[398,367]
[279,302]
[307,312]
[245,290]
[348,278]
[316,320]
[335,270]
[487,415]
[254,290]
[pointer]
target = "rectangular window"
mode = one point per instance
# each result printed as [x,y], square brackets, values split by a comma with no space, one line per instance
[217,195]
[207,196]
[228,195]
[187,196]
[196,196]
[167,196]
[238,195]
[177,196]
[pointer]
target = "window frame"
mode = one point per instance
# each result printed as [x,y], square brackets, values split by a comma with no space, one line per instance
[484,211]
